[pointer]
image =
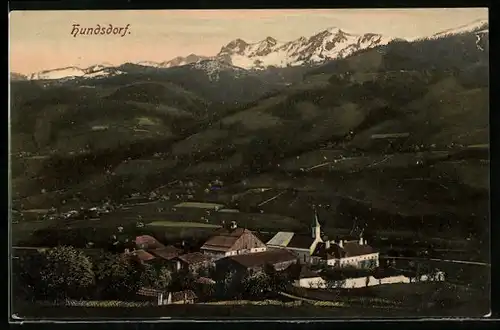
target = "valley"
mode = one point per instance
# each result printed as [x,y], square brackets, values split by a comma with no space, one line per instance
[371,134]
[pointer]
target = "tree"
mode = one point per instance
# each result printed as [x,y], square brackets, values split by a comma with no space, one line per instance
[256,284]
[117,275]
[182,280]
[66,272]
[230,286]
[164,278]
[278,281]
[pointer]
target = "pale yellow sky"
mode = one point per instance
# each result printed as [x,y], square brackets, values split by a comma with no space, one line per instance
[41,40]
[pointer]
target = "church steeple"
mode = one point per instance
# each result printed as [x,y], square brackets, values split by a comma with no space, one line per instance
[316,227]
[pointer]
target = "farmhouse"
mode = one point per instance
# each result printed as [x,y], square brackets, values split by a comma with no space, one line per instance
[166,253]
[232,241]
[302,245]
[193,261]
[280,259]
[354,253]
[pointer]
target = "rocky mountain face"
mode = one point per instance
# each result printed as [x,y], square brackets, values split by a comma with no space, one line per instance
[329,44]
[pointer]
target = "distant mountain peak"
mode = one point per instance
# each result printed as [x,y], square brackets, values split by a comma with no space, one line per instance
[270,40]
[478,25]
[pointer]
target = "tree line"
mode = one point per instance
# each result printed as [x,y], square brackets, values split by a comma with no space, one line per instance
[65,272]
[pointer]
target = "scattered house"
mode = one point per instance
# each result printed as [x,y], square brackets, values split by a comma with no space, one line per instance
[142,256]
[147,242]
[193,261]
[353,253]
[302,245]
[166,253]
[200,205]
[280,259]
[232,241]
[160,297]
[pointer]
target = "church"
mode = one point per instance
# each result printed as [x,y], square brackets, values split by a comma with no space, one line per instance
[315,249]
[301,245]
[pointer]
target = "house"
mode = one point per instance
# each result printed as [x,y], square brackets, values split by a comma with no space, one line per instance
[147,242]
[280,259]
[302,245]
[232,241]
[166,253]
[160,297]
[192,261]
[353,253]
[142,256]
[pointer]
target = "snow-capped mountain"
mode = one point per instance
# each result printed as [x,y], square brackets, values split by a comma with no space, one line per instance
[98,70]
[177,61]
[477,26]
[329,44]
[213,68]
[17,76]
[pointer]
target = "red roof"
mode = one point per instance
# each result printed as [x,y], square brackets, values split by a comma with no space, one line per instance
[143,255]
[194,258]
[169,252]
[148,242]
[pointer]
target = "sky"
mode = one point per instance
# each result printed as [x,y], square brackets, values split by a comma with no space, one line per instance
[42,40]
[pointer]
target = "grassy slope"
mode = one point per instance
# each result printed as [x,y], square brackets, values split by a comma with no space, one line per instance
[366,94]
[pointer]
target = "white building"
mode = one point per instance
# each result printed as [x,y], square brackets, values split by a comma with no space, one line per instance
[346,253]
[301,245]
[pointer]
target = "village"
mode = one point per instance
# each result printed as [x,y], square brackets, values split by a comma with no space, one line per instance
[234,263]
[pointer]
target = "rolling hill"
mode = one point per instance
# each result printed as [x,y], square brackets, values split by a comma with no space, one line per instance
[327,136]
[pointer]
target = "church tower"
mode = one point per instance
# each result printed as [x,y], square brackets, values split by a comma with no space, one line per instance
[316,227]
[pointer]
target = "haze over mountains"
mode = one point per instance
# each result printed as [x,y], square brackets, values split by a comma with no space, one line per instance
[332,43]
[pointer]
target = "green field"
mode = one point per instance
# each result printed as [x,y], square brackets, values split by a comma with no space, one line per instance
[182,224]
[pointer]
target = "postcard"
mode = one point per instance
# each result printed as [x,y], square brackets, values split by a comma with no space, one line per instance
[268,164]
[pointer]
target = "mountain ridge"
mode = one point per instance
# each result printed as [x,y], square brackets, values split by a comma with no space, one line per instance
[329,44]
